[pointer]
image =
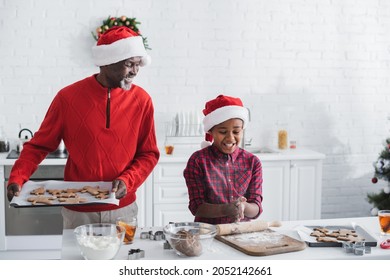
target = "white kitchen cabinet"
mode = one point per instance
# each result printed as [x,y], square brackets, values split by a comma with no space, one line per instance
[305,189]
[170,195]
[291,189]
[276,181]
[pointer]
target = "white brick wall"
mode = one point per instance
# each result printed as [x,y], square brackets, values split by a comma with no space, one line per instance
[321,65]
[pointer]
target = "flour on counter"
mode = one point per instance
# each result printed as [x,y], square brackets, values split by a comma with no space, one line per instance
[255,238]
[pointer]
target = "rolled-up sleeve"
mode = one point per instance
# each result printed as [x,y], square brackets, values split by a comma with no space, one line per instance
[254,193]
[193,175]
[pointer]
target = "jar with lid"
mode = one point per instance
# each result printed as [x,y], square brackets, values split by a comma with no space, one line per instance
[4,143]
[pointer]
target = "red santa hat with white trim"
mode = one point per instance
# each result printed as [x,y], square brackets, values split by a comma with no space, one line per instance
[119,43]
[221,109]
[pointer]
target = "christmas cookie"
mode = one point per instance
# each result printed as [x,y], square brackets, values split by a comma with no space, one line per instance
[346,232]
[326,239]
[317,233]
[321,229]
[54,192]
[72,200]
[38,191]
[41,199]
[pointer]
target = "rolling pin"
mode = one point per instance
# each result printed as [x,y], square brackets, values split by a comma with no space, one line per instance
[242,227]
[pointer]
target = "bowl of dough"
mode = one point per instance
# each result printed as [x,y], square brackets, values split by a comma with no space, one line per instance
[190,239]
[99,241]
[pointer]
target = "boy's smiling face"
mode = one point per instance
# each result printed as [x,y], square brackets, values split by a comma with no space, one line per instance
[227,135]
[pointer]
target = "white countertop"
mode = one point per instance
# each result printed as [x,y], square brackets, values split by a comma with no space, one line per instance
[288,154]
[219,251]
[51,161]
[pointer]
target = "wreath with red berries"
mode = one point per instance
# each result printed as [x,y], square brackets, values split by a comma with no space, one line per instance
[132,23]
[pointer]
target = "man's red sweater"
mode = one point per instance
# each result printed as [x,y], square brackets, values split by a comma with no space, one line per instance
[105,140]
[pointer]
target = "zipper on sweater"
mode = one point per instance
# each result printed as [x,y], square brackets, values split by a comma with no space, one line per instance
[108,105]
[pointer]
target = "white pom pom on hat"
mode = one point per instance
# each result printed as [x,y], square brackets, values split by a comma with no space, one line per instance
[221,109]
[117,44]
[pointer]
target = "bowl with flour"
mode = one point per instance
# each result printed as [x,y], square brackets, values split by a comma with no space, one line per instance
[99,241]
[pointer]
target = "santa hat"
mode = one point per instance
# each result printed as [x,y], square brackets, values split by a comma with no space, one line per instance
[119,43]
[221,109]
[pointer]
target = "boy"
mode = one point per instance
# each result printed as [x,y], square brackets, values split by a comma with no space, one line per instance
[224,181]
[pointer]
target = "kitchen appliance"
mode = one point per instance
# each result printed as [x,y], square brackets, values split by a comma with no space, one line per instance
[23,138]
[37,220]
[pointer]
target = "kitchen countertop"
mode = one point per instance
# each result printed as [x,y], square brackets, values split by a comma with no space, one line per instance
[288,154]
[47,161]
[220,251]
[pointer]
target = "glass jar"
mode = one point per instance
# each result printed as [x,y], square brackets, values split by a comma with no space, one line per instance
[4,143]
[282,136]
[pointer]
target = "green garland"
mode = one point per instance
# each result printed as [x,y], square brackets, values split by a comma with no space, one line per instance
[132,23]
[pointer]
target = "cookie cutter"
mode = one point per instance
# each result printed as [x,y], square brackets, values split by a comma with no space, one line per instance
[158,235]
[144,235]
[135,254]
[358,248]
[167,246]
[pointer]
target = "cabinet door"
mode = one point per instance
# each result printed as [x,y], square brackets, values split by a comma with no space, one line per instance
[165,213]
[276,179]
[305,188]
[144,202]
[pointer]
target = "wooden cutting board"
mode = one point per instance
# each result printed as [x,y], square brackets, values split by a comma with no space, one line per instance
[262,243]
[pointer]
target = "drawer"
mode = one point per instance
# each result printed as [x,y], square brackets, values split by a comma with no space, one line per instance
[169,173]
[170,193]
[165,213]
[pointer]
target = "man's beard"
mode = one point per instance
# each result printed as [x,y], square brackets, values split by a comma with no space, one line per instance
[124,85]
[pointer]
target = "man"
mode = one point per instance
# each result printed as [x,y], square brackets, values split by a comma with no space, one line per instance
[107,125]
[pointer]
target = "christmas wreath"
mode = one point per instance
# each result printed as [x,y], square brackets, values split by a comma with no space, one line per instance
[132,23]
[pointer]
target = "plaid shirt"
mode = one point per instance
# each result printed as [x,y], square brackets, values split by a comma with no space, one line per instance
[217,178]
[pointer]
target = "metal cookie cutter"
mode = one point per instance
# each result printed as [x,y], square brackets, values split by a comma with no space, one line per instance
[144,235]
[167,246]
[358,248]
[135,254]
[159,235]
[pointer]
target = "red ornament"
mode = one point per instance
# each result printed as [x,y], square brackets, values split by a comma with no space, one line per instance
[385,244]
[374,180]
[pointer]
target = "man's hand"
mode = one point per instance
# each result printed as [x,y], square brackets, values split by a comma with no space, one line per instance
[13,190]
[119,188]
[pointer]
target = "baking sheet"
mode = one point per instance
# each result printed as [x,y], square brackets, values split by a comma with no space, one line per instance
[304,233]
[21,200]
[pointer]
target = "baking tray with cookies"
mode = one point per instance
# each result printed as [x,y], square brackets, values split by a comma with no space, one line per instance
[55,193]
[335,235]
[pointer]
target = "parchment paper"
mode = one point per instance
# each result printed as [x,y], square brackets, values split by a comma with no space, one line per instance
[21,200]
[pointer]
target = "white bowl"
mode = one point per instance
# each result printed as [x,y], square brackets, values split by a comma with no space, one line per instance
[99,241]
[190,239]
